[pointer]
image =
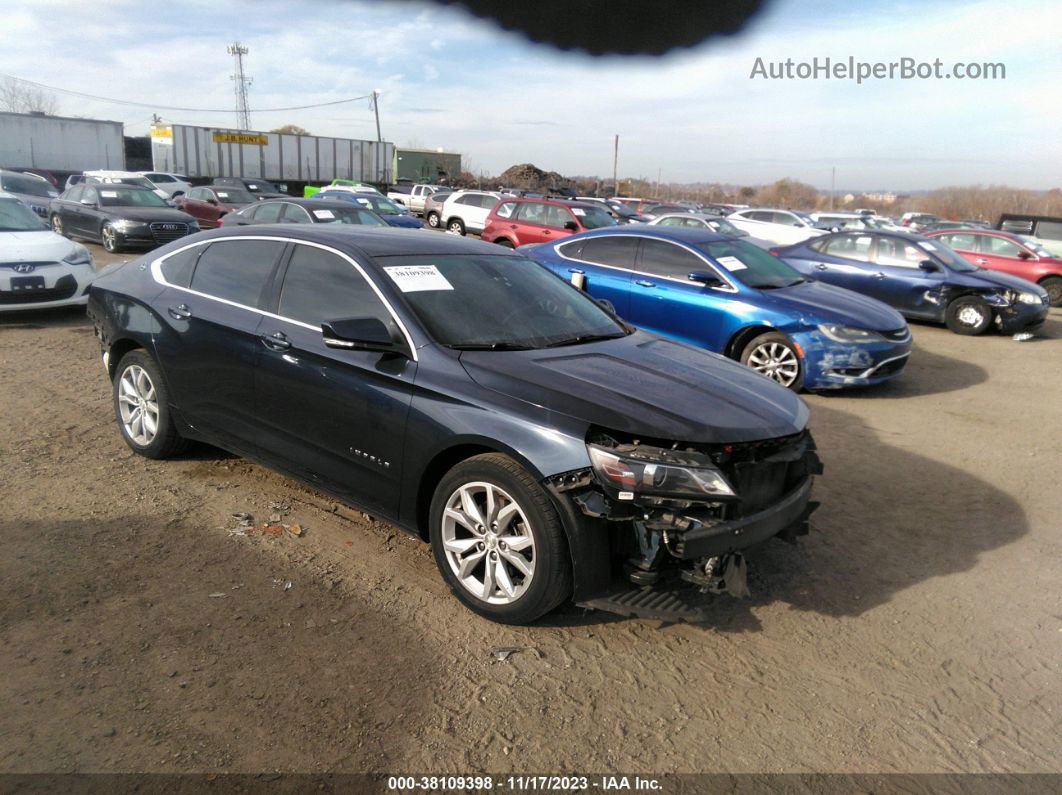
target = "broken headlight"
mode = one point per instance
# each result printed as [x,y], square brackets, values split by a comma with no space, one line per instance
[1018,296]
[637,470]
[839,333]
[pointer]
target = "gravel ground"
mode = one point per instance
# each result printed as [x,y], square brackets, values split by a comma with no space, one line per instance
[918,628]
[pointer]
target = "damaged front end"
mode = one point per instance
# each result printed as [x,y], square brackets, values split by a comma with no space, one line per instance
[679,516]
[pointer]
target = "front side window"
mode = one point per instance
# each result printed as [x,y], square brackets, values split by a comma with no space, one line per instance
[593,217]
[519,303]
[556,217]
[236,270]
[75,194]
[466,199]
[320,286]
[199,194]
[856,247]
[997,246]
[661,258]
[234,196]
[963,242]
[898,254]
[294,214]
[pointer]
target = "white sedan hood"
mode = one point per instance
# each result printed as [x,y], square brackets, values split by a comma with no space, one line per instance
[42,246]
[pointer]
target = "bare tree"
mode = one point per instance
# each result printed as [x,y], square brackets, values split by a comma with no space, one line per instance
[17,96]
[291,129]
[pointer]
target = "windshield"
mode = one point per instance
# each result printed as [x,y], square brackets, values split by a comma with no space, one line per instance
[143,182]
[804,217]
[28,185]
[724,227]
[17,217]
[347,215]
[751,265]
[234,195]
[593,217]
[948,256]
[519,303]
[621,210]
[1036,246]
[380,205]
[116,196]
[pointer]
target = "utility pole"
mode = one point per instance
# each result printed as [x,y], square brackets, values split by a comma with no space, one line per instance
[376,110]
[615,164]
[833,184]
[243,111]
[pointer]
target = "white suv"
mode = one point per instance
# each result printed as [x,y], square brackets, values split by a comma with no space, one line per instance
[170,184]
[467,210]
[778,226]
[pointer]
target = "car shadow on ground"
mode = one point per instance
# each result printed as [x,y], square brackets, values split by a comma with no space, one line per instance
[926,374]
[889,520]
[44,318]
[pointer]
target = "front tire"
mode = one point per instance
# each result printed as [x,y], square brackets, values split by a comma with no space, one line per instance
[433,220]
[1053,285]
[498,540]
[57,225]
[456,227]
[774,355]
[505,242]
[968,315]
[142,407]
[111,242]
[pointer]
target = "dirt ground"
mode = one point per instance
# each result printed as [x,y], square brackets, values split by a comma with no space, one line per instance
[918,628]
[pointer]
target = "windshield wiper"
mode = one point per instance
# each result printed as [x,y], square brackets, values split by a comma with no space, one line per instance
[585,338]
[491,346]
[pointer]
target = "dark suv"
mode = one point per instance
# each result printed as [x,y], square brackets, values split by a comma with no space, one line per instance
[545,448]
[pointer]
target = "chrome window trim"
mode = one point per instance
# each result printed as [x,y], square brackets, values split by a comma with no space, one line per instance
[730,288]
[156,274]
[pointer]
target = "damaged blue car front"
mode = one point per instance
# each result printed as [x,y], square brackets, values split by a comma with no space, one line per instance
[736,299]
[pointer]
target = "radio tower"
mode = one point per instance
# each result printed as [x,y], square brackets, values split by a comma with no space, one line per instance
[243,112]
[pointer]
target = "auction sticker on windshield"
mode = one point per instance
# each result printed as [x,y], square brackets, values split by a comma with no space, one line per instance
[324,213]
[416,278]
[732,263]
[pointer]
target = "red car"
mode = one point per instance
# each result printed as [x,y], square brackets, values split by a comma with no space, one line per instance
[1007,252]
[209,204]
[515,222]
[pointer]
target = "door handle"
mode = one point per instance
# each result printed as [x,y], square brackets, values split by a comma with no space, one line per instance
[276,342]
[981,261]
[180,312]
[512,226]
[643,283]
[821,267]
[879,275]
[575,270]
[546,232]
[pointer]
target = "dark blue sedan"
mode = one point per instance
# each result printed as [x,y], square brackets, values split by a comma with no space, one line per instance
[731,297]
[394,214]
[922,278]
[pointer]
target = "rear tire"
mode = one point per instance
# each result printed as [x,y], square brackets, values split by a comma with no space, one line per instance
[774,355]
[968,315]
[498,540]
[142,407]
[1053,285]
[456,226]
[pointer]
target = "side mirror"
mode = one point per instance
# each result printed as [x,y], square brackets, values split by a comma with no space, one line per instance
[88,202]
[1023,254]
[929,266]
[605,304]
[571,226]
[705,278]
[361,334]
[212,201]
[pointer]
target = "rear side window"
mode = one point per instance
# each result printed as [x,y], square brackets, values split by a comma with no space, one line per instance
[855,247]
[268,213]
[236,270]
[505,210]
[615,250]
[177,268]
[320,286]
[573,249]
[963,242]
[661,258]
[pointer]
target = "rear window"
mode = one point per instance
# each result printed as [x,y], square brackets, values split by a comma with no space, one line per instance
[236,270]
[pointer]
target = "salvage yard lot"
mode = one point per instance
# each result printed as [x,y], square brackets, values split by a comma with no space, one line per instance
[918,628]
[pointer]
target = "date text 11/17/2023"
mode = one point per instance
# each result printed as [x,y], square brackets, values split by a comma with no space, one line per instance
[523,783]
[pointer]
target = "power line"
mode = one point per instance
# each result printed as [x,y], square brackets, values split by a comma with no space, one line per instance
[173,107]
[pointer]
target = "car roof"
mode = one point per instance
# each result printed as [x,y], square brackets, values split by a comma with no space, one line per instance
[373,241]
[117,186]
[544,200]
[683,234]
[977,230]
[318,204]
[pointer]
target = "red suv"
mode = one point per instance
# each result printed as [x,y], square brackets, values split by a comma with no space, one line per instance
[516,222]
[1008,252]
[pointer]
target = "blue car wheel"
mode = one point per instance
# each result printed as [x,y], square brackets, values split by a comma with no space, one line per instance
[774,355]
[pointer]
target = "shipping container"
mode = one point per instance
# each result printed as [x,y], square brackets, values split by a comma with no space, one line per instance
[278,157]
[59,143]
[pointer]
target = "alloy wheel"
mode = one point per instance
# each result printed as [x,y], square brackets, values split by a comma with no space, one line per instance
[970,316]
[488,543]
[776,361]
[110,238]
[138,405]
[57,224]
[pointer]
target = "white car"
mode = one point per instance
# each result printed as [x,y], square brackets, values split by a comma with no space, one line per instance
[170,184]
[467,210]
[125,178]
[852,221]
[720,226]
[38,268]
[783,227]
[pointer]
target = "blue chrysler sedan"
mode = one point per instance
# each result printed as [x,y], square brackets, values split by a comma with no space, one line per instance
[923,279]
[395,214]
[733,298]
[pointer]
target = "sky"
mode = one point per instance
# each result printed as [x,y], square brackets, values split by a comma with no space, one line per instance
[450,80]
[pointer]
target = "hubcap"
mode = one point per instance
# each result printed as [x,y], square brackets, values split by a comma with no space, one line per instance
[433,220]
[138,405]
[57,224]
[970,316]
[488,543]
[776,361]
[108,237]
[455,228]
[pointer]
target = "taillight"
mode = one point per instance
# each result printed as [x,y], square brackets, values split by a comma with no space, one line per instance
[773,252]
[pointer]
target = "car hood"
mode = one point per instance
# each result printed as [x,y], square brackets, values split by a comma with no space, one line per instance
[404,220]
[818,303]
[29,198]
[149,214]
[42,246]
[991,279]
[646,386]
